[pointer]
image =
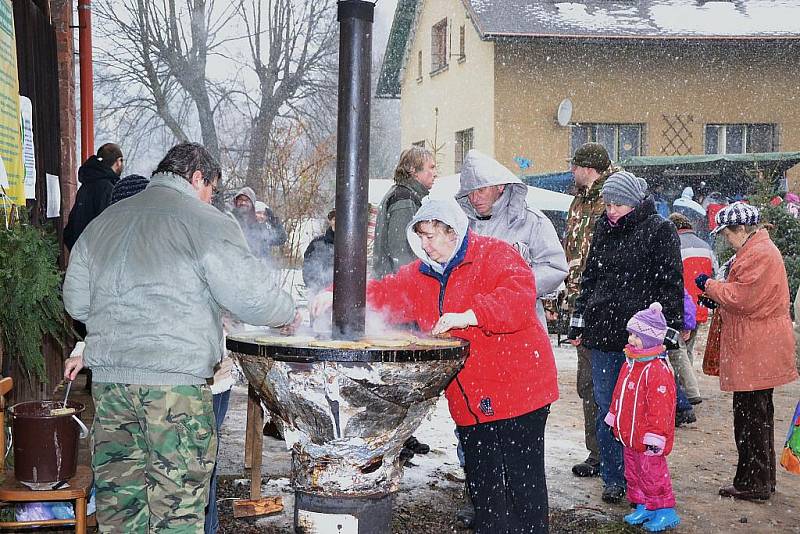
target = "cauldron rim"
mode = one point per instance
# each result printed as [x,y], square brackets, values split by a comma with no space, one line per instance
[304,353]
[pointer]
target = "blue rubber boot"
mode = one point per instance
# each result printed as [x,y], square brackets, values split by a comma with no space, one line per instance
[639,516]
[663,519]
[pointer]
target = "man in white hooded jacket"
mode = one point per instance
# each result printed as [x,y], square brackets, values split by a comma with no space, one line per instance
[494,199]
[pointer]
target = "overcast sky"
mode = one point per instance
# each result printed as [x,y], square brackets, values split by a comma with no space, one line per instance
[384,13]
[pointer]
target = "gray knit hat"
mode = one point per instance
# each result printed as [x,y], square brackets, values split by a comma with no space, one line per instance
[624,188]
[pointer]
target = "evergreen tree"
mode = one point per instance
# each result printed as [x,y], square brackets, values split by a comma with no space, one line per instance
[784,229]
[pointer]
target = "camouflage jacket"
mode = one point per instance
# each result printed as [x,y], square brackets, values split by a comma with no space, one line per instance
[586,208]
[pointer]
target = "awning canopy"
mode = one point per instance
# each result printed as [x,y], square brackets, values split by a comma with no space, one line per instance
[767,163]
[561,182]
[730,174]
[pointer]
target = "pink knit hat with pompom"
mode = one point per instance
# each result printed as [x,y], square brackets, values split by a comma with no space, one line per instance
[649,325]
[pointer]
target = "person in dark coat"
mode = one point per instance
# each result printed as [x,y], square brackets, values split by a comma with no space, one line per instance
[318,260]
[634,260]
[413,177]
[128,186]
[260,237]
[97,176]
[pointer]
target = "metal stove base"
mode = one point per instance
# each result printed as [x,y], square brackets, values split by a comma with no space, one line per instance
[323,514]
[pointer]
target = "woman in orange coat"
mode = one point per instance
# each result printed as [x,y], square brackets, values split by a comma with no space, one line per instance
[756,345]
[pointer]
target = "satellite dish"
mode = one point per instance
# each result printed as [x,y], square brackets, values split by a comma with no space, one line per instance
[564,113]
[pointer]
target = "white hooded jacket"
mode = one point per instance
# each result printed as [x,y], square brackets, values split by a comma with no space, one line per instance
[513,221]
[445,210]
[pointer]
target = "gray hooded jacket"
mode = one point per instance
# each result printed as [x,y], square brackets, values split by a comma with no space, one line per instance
[150,277]
[513,221]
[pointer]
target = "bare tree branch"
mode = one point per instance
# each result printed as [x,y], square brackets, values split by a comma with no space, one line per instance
[267,113]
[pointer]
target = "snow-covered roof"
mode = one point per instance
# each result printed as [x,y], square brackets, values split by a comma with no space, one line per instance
[600,19]
[692,19]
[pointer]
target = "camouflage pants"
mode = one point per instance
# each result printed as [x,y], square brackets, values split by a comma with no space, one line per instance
[154,449]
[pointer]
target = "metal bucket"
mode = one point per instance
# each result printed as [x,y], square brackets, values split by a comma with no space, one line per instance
[45,445]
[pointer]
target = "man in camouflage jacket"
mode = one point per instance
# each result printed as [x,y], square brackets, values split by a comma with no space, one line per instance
[590,166]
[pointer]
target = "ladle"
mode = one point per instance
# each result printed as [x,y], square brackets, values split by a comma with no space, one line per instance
[64,410]
[69,385]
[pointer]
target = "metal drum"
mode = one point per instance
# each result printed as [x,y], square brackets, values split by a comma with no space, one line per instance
[346,414]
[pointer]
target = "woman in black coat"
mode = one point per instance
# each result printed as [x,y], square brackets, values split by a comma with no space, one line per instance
[634,260]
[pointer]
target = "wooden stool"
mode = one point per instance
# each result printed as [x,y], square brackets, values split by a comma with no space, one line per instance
[256,505]
[79,488]
[12,490]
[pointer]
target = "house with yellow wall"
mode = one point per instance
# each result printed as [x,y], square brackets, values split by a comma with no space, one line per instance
[645,78]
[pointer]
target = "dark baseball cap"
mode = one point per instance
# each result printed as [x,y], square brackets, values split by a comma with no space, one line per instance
[591,155]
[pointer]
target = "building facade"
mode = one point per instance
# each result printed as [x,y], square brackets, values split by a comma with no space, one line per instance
[482,75]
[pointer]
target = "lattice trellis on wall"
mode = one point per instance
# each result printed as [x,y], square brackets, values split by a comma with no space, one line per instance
[677,135]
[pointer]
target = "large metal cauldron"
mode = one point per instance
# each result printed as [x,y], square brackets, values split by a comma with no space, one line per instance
[346,414]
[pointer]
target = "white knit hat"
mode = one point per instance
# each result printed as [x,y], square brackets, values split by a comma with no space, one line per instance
[736,214]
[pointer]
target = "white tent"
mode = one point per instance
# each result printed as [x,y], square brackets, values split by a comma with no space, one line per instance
[378,189]
[538,198]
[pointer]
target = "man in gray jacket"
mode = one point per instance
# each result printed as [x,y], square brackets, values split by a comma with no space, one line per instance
[494,199]
[150,277]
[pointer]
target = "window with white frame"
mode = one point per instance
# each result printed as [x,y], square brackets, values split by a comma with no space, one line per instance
[740,138]
[621,140]
[464,143]
[439,45]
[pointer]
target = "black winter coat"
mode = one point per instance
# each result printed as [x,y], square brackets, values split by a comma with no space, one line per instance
[318,262]
[630,266]
[94,195]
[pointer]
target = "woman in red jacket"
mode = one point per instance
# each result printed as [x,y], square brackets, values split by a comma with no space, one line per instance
[480,289]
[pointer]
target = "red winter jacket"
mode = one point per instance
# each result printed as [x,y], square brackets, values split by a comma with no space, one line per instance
[642,409]
[711,213]
[510,370]
[698,258]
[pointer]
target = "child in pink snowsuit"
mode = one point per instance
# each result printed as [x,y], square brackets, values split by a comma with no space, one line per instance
[642,417]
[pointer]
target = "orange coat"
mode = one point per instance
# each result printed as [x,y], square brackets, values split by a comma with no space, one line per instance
[757,342]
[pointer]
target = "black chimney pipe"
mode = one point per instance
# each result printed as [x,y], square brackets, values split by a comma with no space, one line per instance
[352,168]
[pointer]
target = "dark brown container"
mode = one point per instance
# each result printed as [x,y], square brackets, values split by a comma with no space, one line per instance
[45,446]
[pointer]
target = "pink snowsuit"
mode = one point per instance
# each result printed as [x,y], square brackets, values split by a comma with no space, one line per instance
[642,414]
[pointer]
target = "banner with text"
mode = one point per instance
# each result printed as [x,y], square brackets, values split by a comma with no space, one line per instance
[12,177]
